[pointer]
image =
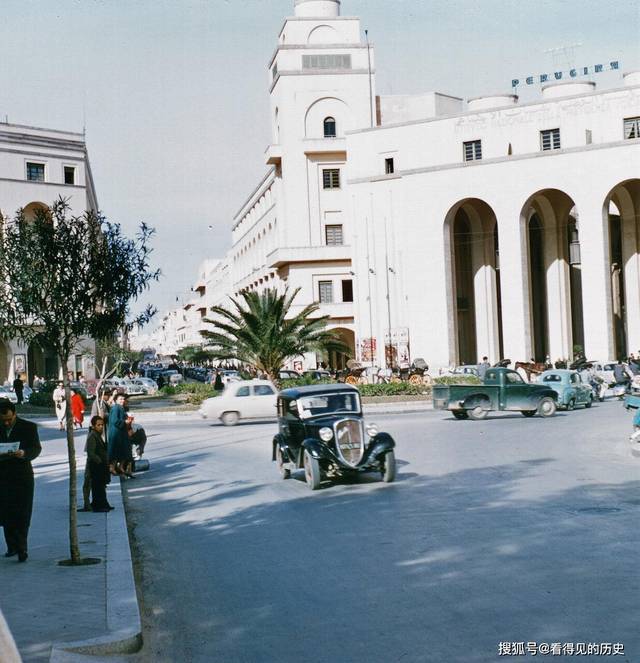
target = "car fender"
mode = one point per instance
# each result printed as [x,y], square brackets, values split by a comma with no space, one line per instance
[318,449]
[280,441]
[476,399]
[379,445]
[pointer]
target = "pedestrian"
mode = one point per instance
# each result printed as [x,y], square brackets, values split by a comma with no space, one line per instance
[77,408]
[16,479]
[102,405]
[18,388]
[59,400]
[620,374]
[635,437]
[218,385]
[160,381]
[119,447]
[100,408]
[98,463]
[483,367]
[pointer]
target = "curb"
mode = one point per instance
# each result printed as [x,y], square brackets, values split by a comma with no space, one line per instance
[123,614]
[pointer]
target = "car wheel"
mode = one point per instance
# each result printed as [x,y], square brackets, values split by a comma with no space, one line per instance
[311,471]
[285,473]
[460,414]
[528,413]
[589,402]
[547,407]
[389,472]
[230,418]
[477,413]
[571,405]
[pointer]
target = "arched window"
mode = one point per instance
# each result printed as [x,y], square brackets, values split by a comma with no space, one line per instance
[329,127]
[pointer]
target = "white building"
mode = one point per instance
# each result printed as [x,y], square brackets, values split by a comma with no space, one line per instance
[502,229]
[429,226]
[37,166]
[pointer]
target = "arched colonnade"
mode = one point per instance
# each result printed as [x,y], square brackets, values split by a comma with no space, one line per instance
[553,298]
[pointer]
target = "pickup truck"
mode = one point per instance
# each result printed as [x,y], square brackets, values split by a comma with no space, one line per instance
[503,389]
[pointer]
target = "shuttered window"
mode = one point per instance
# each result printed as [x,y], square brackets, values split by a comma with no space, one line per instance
[325,292]
[331,178]
[333,235]
[472,150]
[550,139]
[632,127]
[326,61]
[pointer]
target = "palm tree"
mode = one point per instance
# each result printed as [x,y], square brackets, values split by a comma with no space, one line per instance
[259,332]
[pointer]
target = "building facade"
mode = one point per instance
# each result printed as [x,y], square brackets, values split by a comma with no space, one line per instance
[37,166]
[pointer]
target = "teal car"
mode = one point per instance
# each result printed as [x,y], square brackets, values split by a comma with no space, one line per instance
[571,390]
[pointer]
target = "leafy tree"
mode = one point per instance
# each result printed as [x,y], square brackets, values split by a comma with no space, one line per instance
[194,354]
[260,332]
[68,278]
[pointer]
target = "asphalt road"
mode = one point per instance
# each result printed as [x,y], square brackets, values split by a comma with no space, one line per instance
[507,530]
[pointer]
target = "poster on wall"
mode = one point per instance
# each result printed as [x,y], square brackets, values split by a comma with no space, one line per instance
[396,346]
[20,364]
[368,349]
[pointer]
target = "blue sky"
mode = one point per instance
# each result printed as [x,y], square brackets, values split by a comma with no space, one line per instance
[173,93]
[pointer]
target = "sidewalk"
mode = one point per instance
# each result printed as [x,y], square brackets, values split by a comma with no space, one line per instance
[44,603]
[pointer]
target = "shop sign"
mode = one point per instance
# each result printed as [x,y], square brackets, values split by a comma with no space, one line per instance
[566,75]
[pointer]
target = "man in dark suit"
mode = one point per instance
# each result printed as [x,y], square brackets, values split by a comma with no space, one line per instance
[16,479]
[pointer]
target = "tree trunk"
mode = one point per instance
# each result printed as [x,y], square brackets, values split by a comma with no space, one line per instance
[74,548]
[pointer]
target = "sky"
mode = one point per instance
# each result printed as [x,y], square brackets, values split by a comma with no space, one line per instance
[173,94]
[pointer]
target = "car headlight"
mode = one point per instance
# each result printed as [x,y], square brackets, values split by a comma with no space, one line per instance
[372,430]
[325,434]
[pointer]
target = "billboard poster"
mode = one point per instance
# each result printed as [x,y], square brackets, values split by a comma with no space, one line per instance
[368,348]
[396,342]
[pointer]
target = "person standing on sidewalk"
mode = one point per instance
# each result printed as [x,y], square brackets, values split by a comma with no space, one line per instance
[59,400]
[16,479]
[100,408]
[98,465]
[18,387]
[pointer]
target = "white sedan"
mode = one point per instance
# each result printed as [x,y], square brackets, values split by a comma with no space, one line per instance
[250,399]
[7,394]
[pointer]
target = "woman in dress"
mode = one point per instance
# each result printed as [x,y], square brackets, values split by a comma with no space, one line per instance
[60,402]
[119,446]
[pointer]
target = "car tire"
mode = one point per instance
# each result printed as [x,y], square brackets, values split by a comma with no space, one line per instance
[589,402]
[571,405]
[460,414]
[230,418]
[389,472]
[285,473]
[311,471]
[547,407]
[477,413]
[529,413]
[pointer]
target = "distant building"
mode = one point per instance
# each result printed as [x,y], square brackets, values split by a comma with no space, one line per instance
[37,166]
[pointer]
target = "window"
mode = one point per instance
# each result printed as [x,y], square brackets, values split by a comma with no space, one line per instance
[263,390]
[333,235]
[632,127]
[388,166]
[472,150]
[35,172]
[243,391]
[550,139]
[325,289]
[331,178]
[512,377]
[326,61]
[347,290]
[69,175]
[329,127]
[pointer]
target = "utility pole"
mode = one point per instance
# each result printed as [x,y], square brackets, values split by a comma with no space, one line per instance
[366,34]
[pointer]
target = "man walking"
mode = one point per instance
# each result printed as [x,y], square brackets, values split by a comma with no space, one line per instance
[483,367]
[18,387]
[16,478]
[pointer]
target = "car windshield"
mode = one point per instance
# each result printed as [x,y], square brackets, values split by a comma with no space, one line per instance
[313,406]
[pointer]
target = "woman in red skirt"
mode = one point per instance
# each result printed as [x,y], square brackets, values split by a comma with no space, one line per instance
[77,409]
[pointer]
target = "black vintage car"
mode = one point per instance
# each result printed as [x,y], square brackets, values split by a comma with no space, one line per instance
[322,430]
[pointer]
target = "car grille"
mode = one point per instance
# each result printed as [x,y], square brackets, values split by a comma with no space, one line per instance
[350,440]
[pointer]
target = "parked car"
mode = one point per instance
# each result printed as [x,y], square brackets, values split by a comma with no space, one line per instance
[172,376]
[285,374]
[503,389]
[317,374]
[470,369]
[571,390]
[8,394]
[321,429]
[125,386]
[148,386]
[249,399]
